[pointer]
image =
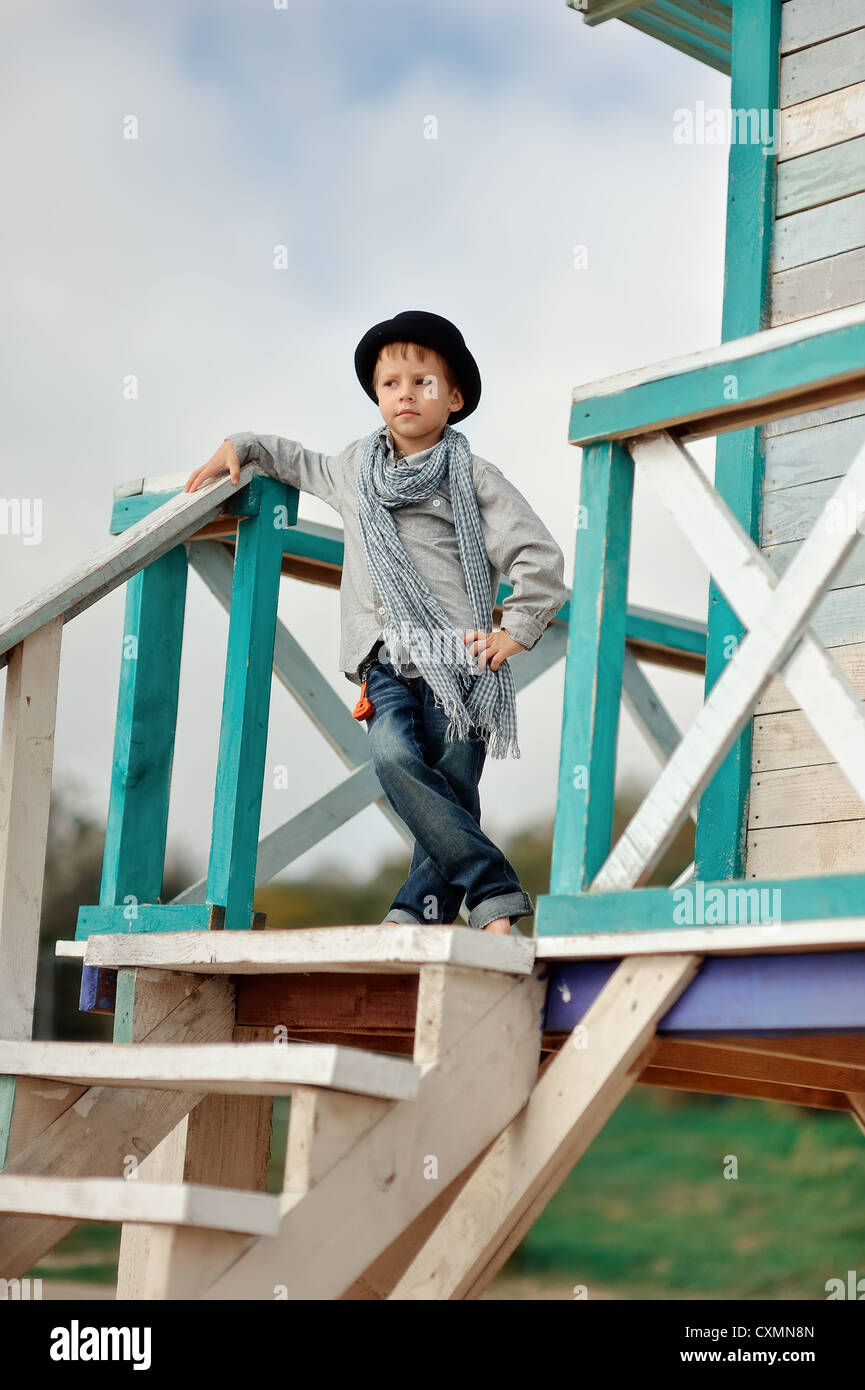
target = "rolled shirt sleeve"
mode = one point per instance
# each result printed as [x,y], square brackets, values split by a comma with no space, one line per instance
[290,462]
[523,550]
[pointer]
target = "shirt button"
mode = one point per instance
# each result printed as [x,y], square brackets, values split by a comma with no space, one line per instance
[436,501]
[381,612]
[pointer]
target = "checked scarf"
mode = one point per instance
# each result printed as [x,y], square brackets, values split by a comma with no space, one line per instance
[415,626]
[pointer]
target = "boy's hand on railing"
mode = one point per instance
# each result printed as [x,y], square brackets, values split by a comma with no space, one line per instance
[492,647]
[224,460]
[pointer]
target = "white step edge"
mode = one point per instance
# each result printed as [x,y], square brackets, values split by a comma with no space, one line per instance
[246,1069]
[823,934]
[398,950]
[155,1203]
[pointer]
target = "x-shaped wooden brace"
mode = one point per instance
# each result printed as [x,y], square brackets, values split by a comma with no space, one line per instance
[777,613]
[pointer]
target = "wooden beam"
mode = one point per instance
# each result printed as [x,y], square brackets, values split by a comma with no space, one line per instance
[578,1091]
[107,568]
[795,367]
[745,1090]
[26,765]
[593,670]
[769,994]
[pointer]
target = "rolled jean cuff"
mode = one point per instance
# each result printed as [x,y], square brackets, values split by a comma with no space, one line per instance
[399,914]
[512,905]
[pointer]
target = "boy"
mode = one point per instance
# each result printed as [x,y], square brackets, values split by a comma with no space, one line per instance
[428,528]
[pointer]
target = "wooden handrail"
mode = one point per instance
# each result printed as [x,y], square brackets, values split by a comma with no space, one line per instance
[124,555]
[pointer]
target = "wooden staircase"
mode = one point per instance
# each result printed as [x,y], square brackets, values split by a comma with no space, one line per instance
[404,1177]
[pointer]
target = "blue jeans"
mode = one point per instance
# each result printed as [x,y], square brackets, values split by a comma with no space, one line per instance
[432,784]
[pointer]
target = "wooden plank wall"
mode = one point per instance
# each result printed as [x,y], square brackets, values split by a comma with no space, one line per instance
[803,816]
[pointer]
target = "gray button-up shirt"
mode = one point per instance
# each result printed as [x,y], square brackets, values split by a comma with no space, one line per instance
[518,543]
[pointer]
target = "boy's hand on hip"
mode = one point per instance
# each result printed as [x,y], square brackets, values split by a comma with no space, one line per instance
[224,460]
[492,648]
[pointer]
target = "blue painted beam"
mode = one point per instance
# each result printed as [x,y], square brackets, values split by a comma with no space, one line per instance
[757,995]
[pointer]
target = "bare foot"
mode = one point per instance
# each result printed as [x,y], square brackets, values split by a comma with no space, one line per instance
[500,925]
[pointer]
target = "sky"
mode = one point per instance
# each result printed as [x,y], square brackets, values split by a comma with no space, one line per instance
[305,126]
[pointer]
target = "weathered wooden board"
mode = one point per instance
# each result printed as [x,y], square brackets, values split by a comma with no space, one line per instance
[818,233]
[802,796]
[835,847]
[833,283]
[823,67]
[786,740]
[822,121]
[851,573]
[809,455]
[804,23]
[843,410]
[850,661]
[818,178]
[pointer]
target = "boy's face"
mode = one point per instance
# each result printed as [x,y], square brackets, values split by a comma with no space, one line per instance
[414,397]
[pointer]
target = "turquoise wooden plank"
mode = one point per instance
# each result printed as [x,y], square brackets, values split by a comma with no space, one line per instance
[593,669]
[715,54]
[700,400]
[664,630]
[133,859]
[739,458]
[246,703]
[656,909]
[126,511]
[121,919]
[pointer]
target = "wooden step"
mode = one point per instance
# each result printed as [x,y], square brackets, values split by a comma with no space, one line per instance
[156,1203]
[250,1069]
[379,950]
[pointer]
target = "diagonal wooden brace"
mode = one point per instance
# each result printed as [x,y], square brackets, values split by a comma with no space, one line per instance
[747,580]
[765,650]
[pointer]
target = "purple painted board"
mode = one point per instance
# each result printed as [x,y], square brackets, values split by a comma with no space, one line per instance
[807,992]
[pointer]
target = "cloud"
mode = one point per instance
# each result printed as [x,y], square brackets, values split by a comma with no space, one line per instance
[304,127]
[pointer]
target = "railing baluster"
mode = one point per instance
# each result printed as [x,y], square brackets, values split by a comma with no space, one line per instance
[246,703]
[593,668]
[133,861]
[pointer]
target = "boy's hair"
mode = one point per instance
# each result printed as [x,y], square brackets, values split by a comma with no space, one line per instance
[421,351]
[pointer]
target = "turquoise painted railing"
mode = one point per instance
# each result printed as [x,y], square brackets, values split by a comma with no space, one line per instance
[643,419]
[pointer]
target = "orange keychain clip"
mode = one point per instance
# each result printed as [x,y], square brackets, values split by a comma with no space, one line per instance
[364,707]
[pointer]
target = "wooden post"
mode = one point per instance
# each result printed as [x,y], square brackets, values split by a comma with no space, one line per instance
[246,703]
[26,764]
[133,860]
[593,669]
[722,819]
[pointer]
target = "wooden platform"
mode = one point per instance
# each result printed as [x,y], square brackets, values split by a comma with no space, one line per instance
[308,949]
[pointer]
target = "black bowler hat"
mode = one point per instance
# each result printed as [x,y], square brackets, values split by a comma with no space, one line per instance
[427,330]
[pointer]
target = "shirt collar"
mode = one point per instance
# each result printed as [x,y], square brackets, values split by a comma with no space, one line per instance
[420,457]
